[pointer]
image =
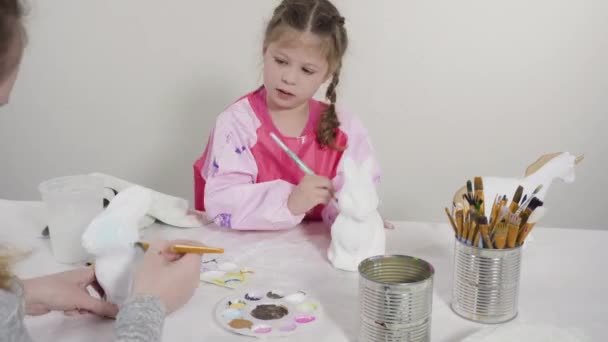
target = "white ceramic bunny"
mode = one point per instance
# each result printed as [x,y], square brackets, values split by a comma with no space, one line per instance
[358,231]
[111,236]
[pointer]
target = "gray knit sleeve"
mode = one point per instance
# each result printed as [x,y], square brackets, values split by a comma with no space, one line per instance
[12,311]
[140,319]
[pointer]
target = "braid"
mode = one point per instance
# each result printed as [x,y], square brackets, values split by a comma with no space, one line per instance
[329,123]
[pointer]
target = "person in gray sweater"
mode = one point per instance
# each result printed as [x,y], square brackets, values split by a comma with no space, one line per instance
[163,282]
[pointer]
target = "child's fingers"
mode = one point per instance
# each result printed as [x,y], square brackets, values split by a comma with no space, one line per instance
[327,184]
[321,182]
[188,267]
[323,196]
[388,224]
[156,253]
[97,288]
[74,312]
[99,307]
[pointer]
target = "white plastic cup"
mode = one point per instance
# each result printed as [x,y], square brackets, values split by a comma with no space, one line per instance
[71,202]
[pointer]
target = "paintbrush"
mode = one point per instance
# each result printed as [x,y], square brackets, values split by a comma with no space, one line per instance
[470,189]
[459,222]
[484,231]
[526,203]
[447,212]
[534,203]
[479,195]
[495,207]
[500,214]
[470,200]
[292,155]
[500,235]
[473,228]
[185,249]
[479,221]
[297,160]
[532,220]
[466,225]
[513,222]
[516,198]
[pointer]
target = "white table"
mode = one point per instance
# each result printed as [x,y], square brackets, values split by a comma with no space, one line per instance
[563,280]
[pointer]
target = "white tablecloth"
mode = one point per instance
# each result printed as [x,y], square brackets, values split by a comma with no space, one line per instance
[564,279]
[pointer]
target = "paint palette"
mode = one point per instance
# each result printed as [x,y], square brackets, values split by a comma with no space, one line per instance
[268,313]
[222,271]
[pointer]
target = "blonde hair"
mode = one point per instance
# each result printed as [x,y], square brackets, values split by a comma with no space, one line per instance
[12,36]
[5,270]
[321,18]
[12,40]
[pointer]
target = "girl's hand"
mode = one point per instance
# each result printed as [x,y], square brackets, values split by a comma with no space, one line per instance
[312,191]
[388,224]
[66,291]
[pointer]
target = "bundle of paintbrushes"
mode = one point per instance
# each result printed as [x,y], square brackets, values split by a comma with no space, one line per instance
[506,225]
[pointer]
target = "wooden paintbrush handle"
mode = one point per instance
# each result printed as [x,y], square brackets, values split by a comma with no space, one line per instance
[472,230]
[486,236]
[447,212]
[512,235]
[476,238]
[459,223]
[524,233]
[185,249]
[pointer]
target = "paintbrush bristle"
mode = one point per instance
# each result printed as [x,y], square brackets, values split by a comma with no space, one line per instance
[482,220]
[478,183]
[535,203]
[469,186]
[537,190]
[501,227]
[518,193]
[514,219]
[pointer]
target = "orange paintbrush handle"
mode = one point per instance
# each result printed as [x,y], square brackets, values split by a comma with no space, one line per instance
[185,249]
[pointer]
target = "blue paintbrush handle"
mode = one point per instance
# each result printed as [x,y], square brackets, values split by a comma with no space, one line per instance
[292,155]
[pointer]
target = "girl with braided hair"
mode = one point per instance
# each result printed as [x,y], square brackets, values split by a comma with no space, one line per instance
[244,180]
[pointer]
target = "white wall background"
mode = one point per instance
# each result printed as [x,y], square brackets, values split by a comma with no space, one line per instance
[448,89]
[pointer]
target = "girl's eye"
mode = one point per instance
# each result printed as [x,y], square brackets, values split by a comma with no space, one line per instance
[308,71]
[280,61]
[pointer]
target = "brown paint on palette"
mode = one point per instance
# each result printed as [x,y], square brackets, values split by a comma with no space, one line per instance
[268,312]
[274,295]
[240,324]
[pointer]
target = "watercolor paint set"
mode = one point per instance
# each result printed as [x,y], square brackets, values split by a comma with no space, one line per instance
[268,313]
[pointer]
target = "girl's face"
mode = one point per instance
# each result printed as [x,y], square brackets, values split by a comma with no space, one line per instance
[295,66]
